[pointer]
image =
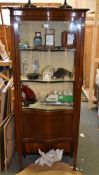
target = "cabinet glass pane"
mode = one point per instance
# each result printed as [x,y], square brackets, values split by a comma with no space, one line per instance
[47,58]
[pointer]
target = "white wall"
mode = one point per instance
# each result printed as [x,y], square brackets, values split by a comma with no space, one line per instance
[86,3]
[74,3]
[6,18]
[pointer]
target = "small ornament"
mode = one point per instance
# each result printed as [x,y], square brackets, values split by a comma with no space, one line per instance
[68,39]
[29,4]
[65,5]
[25,66]
[35,65]
[48,73]
[50,38]
[37,40]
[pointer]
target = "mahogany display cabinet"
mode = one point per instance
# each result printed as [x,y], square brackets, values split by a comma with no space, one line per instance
[48,45]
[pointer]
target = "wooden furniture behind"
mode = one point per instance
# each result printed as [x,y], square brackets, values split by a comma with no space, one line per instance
[6,122]
[48,126]
[88,63]
[8,37]
[91,55]
[7,144]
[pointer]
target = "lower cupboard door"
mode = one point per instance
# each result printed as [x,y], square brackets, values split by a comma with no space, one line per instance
[43,125]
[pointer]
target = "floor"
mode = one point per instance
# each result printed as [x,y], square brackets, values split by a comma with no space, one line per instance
[88,150]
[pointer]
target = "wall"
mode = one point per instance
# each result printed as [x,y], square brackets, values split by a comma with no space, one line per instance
[85,3]
[74,3]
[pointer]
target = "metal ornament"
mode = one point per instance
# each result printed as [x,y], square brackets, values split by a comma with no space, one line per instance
[29,4]
[65,5]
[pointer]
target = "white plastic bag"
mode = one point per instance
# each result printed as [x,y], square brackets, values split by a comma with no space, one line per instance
[97,78]
[50,157]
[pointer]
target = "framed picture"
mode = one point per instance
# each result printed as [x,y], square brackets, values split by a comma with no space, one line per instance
[49,40]
[50,37]
[68,39]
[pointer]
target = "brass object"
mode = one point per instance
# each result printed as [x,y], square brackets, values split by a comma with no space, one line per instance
[47,73]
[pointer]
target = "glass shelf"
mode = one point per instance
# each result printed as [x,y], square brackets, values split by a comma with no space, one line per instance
[25,79]
[56,49]
[54,106]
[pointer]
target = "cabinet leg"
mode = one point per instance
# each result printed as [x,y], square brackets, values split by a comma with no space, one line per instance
[71,151]
[20,161]
[24,155]
[74,160]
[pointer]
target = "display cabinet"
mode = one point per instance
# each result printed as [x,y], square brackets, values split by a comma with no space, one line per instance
[48,68]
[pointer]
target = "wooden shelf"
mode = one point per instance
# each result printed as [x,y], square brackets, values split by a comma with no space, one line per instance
[5,63]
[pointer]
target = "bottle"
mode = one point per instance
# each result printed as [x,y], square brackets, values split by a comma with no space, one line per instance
[37,40]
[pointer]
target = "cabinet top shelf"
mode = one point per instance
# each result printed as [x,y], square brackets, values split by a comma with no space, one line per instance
[46,13]
[49,8]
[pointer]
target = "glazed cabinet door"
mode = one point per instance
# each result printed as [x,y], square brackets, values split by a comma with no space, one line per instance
[48,58]
[47,126]
[48,79]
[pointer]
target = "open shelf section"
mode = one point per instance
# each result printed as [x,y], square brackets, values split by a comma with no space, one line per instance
[25,79]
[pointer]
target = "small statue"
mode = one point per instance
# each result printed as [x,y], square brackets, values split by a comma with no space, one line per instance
[25,66]
[35,63]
